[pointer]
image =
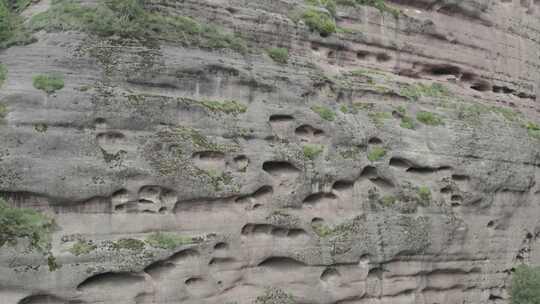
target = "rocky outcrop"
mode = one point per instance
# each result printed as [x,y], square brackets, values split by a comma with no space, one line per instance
[395,160]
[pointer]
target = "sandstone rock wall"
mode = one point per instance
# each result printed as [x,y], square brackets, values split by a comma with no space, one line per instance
[389,162]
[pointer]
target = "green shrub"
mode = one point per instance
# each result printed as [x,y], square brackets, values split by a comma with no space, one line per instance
[376,153]
[533,130]
[407,123]
[279,55]
[324,112]
[167,240]
[424,195]
[414,91]
[12,29]
[22,223]
[82,248]
[329,5]
[128,244]
[379,4]
[311,151]
[322,230]
[525,285]
[227,106]
[429,118]
[129,19]
[319,21]
[48,82]
[3,74]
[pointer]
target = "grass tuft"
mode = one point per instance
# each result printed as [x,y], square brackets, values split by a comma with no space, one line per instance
[429,118]
[376,154]
[311,151]
[324,112]
[279,55]
[167,240]
[319,21]
[49,83]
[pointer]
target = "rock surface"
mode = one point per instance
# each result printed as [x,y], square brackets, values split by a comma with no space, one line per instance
[389,162]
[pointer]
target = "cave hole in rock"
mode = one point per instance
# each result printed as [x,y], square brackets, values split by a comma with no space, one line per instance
[399,162]
[221,261]
[369,172]
[481,86]
[120,279]
[185,254]
[42,299]
[295,232]
[490,224]
[446,189]
[279,232]
[279,168]
[374,141]
[100,121]
[162,210]
[362,54]
[193,280]
[443,69]
[455,204]
[209,155]
[315,198]
[427,170]
[110,136]
[460,177]
[282,263]
[467,77]
[456,198]
[221,246]
[317,221]
[382,57]
[330,273]
[342,185]
[502,89]
[331,54]
[280,118]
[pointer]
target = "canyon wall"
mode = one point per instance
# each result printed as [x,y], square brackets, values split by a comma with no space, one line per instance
[393,160]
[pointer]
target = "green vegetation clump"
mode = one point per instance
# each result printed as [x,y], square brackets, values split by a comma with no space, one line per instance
[48,82]
[415,91]
[319,21]
[3,111]
[378,4]
[23,223]
[311,151]
[130,19]
[167,240]
[227,106]
[376,153]
[525,285]
[322,230]
[324,112]
[275,296]
[329,5]
[129,244]
[3,74]
[472,113]
[387,200]
[12,30]
[82,248]
[424,195]
[429,118]
[378,118]
[407,123]
[279,55]
[533,130]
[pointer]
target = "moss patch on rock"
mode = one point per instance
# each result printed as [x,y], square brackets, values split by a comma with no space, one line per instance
[24,223]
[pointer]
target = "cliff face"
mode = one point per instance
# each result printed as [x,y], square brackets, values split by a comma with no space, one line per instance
[393,160]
